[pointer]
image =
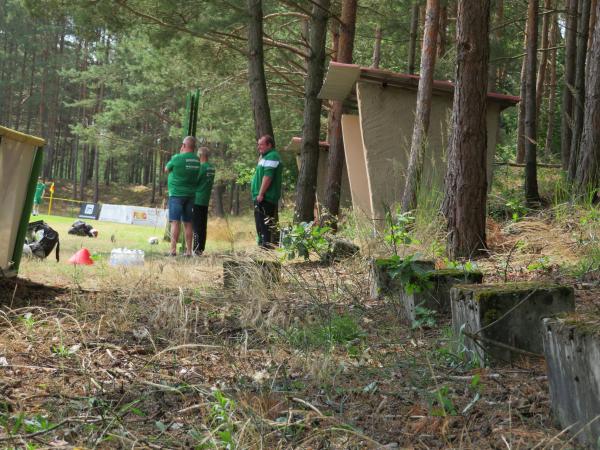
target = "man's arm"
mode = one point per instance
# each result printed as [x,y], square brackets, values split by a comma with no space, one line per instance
[169,166]
[264,186]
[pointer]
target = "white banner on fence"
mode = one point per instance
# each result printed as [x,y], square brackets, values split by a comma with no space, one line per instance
[137,215]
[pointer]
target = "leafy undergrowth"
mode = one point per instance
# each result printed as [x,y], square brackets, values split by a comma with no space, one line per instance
[164,357]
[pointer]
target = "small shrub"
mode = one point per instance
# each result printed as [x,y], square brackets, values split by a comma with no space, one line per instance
[424,317]
[303,239]
[339,330]
[399,226]
[440,403]
[408,271]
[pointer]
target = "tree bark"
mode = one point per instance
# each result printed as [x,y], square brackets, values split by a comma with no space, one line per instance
[593,17]
[532,195]
[579,96]
[588,169]
[414,30]
[466,179]
[256,71]
[309,152]
[566,125]
[336,157]
[218,194]
[497,40]
[554,38]
[442,32]
[520,158]
[377,49]
[423,109]
[543,67]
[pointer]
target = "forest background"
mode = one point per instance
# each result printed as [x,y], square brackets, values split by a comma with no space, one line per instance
[104,82]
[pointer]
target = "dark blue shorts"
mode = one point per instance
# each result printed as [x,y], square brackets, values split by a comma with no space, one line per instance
[180,209]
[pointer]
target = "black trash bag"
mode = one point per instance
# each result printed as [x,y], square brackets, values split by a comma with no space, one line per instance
[80,228]
[42,244]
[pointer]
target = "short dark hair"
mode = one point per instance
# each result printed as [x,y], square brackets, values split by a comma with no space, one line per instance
[269,140]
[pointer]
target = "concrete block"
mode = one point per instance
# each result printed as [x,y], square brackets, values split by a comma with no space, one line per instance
[572,350]
[507,316]
[239,274]
[382,284]
[340,249]
[437,297]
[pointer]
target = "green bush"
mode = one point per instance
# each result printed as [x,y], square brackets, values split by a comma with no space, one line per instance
[303,239]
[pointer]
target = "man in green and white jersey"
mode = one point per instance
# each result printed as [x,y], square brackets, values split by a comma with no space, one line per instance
[202,199]
[39,193]
[266,191]
[183,170]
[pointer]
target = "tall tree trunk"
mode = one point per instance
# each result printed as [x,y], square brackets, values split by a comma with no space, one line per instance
[543,67]
[579,97]
[466,180]
[43,87]
[566,126]
[31,87]
[232,186]
[54,108]
[531,185]
[83,172]
[256,71]
[10,83]
[96,174]
[522,108]
[414,31]
[593,17]
[21,89]
[309,152]
[495,43]
[423,109]
[154,168]
[554,37]
[336,157]
[588,169]
[218,192]
[377,48]
[442,32]
[236,204]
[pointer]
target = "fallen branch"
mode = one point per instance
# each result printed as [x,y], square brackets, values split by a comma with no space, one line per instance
[514,164]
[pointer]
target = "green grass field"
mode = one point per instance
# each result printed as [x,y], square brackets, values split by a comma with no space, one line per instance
[224,236]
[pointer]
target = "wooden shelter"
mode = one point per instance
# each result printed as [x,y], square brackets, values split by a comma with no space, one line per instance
[377,134]
[345,198]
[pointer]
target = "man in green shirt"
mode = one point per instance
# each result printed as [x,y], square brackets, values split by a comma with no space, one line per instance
[183,170]
[37,199]
[266,191]
[202,199]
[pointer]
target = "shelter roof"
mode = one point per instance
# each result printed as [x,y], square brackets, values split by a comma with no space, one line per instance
[21,137]
[341,78]
[296,143]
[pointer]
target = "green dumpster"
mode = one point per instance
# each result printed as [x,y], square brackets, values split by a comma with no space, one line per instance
[20,165]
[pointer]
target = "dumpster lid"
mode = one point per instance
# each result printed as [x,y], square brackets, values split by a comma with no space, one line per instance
[21,137]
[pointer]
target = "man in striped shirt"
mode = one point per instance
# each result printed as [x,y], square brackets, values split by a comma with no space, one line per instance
[266,191]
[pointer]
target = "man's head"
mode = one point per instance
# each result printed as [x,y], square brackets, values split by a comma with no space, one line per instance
[265,143]
[188,145]
[203,154]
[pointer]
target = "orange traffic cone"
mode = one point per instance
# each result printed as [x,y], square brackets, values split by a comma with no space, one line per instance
[81,257]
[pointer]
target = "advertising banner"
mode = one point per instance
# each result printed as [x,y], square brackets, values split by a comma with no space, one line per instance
[89,211]
[136,215]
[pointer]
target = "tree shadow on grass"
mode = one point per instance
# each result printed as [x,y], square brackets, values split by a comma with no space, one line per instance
[19,292]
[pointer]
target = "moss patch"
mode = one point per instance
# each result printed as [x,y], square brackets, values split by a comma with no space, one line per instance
[457,273]
[585,324]
[489,291]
